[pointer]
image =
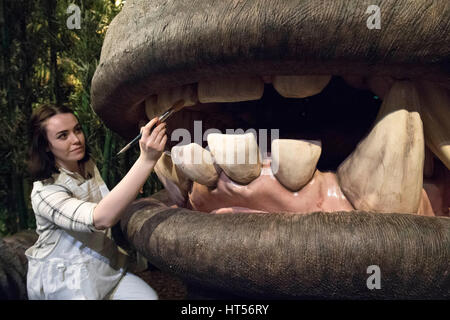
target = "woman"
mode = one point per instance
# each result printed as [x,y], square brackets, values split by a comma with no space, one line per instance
[73,257]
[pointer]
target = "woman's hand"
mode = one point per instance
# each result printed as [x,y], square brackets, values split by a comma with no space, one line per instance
[153,141]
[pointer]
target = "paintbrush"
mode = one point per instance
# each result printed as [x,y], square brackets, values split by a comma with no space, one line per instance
[176,107]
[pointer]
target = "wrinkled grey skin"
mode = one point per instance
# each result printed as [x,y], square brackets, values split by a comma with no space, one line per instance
[155,44]
[14,265]
[275,255]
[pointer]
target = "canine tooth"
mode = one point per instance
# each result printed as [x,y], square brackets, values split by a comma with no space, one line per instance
[172,178]
[237,154]
[385,172]
[435,112]
[294,161]
[196,163]
[230,89]
[380,85]
[300,86]
[167,97]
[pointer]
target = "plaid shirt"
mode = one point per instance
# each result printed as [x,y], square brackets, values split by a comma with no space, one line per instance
[66,201]
[71,259]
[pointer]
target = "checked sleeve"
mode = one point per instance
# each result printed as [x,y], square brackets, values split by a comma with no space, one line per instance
[57,204]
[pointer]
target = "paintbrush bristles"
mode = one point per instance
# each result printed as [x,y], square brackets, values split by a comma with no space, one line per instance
[176,107]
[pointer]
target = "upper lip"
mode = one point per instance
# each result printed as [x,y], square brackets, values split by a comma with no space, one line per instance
[77,148]
[126,75]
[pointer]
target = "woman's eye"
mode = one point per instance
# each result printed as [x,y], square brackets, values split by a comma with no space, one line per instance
[62,136]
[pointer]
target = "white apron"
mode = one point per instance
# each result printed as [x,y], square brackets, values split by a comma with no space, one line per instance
[81,265]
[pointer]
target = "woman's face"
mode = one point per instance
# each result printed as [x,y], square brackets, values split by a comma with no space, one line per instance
[65,140]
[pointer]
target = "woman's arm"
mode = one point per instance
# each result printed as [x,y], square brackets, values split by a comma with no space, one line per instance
[55,203]
[109,210]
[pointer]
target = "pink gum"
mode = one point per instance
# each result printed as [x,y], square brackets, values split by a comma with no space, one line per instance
[266,194]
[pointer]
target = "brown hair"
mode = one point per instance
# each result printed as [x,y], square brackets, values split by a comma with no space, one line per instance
[41,164]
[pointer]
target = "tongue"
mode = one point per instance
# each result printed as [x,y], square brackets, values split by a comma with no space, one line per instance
[265,193]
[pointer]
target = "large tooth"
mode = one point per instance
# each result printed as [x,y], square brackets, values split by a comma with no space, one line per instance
[237,154]
[300,86]
[196,163]
[172,178]
[155,105]
[230,89]
[380,85]
[188,93]
[385,172]
[294,161]
[435,112]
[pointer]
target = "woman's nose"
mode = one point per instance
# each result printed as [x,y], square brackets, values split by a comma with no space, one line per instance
[75,138]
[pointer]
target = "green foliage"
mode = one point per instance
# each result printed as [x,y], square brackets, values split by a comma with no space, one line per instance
[43,61]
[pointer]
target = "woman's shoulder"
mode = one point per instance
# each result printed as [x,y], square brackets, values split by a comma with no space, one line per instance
[54,183]
[39,184]
[66,180]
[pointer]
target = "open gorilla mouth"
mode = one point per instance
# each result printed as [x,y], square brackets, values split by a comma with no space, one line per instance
[319,131]
[299,216]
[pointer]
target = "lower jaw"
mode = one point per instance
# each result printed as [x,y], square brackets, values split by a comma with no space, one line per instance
[286,256]
[265,195]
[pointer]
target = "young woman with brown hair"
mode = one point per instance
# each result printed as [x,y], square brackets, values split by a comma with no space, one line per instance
[73,257]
